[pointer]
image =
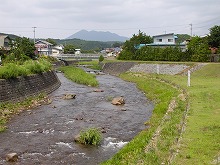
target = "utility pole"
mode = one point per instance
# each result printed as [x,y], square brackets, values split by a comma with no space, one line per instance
[191,29]
[34,33]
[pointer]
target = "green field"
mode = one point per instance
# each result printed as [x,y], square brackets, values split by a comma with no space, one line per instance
[79,76]
[199,143]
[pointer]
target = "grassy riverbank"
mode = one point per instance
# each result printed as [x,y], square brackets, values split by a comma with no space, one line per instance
[79,76]
[200,142]
[138,151]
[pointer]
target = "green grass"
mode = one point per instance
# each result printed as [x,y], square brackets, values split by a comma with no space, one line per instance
[161,94]
[13,70]
[79,76]
[91,136]
[200,142]
[94,64]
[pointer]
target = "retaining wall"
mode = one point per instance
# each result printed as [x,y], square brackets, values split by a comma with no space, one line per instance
[116,68]
[22,87]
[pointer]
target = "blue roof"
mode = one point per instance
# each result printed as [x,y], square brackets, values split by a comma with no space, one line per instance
[155,45]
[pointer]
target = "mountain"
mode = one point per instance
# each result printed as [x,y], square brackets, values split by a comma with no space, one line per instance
[97,36]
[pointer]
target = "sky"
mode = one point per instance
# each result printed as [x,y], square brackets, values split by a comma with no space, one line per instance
[61,18]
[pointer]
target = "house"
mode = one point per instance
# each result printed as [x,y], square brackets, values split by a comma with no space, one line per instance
[111,51]
[4,41]
[57,49]
[43,47]
[163,41]
[77,51]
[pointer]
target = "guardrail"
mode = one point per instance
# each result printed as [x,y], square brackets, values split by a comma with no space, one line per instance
[80,56]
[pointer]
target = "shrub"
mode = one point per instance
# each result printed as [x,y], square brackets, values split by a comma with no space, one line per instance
[33,66]
[37,66]
[91,136]
[45,64]
[11,70]
[48,58]
[101,58]
[79,76]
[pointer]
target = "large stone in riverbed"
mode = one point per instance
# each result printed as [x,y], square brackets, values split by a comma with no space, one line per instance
[12,157]
[69,96]
[118,101]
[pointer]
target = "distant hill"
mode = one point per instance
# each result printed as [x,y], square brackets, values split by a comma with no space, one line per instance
[97,36]
[87,45]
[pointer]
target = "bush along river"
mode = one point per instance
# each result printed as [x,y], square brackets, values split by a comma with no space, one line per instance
[45,135]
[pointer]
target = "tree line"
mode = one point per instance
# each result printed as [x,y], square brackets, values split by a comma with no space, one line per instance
[198,48]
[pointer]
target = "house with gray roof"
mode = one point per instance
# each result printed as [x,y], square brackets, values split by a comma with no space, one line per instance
[43,47]
[4,41]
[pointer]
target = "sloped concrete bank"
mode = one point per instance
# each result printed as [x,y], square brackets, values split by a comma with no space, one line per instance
[116,68]
[20,88]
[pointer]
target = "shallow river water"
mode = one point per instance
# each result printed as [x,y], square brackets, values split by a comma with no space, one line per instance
[45,135]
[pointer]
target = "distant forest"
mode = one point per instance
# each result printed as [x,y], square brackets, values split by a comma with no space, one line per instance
[89,45]
[93,46]
[99,45]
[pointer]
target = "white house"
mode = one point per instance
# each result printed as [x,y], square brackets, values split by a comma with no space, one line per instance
[43,47]
[169,39]
[57,49]
[163,41]
[77,51]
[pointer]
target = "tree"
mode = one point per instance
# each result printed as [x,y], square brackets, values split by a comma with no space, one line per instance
[50,40]
[117,44]
[69,49]
[22,48]
[199,48]
[182,37]
[214,37]
[129,50]
[101,58]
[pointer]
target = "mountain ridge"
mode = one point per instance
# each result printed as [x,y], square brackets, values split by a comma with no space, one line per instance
[97,36]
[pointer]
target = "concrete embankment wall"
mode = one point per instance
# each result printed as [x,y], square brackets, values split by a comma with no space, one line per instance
[22,87]
[116,68]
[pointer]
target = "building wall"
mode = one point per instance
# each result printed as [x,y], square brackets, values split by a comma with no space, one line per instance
[43,48]
[164,39]
[23,87]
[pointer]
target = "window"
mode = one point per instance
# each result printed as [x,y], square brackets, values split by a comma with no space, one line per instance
[6,44]
[159,40]
[170,40]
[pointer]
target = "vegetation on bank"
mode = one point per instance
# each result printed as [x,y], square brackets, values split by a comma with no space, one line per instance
[161,94]
[21,60]
[94,64]
[79,76]
[13,70]
[199,142]
[8,109]
[198,48]
[90,136]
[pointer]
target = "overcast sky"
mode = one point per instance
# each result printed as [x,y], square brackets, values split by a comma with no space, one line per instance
[62,18]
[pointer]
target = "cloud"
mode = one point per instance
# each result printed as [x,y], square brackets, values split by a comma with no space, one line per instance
[61,18]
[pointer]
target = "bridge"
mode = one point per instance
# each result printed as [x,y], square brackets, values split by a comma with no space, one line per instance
[78,56]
